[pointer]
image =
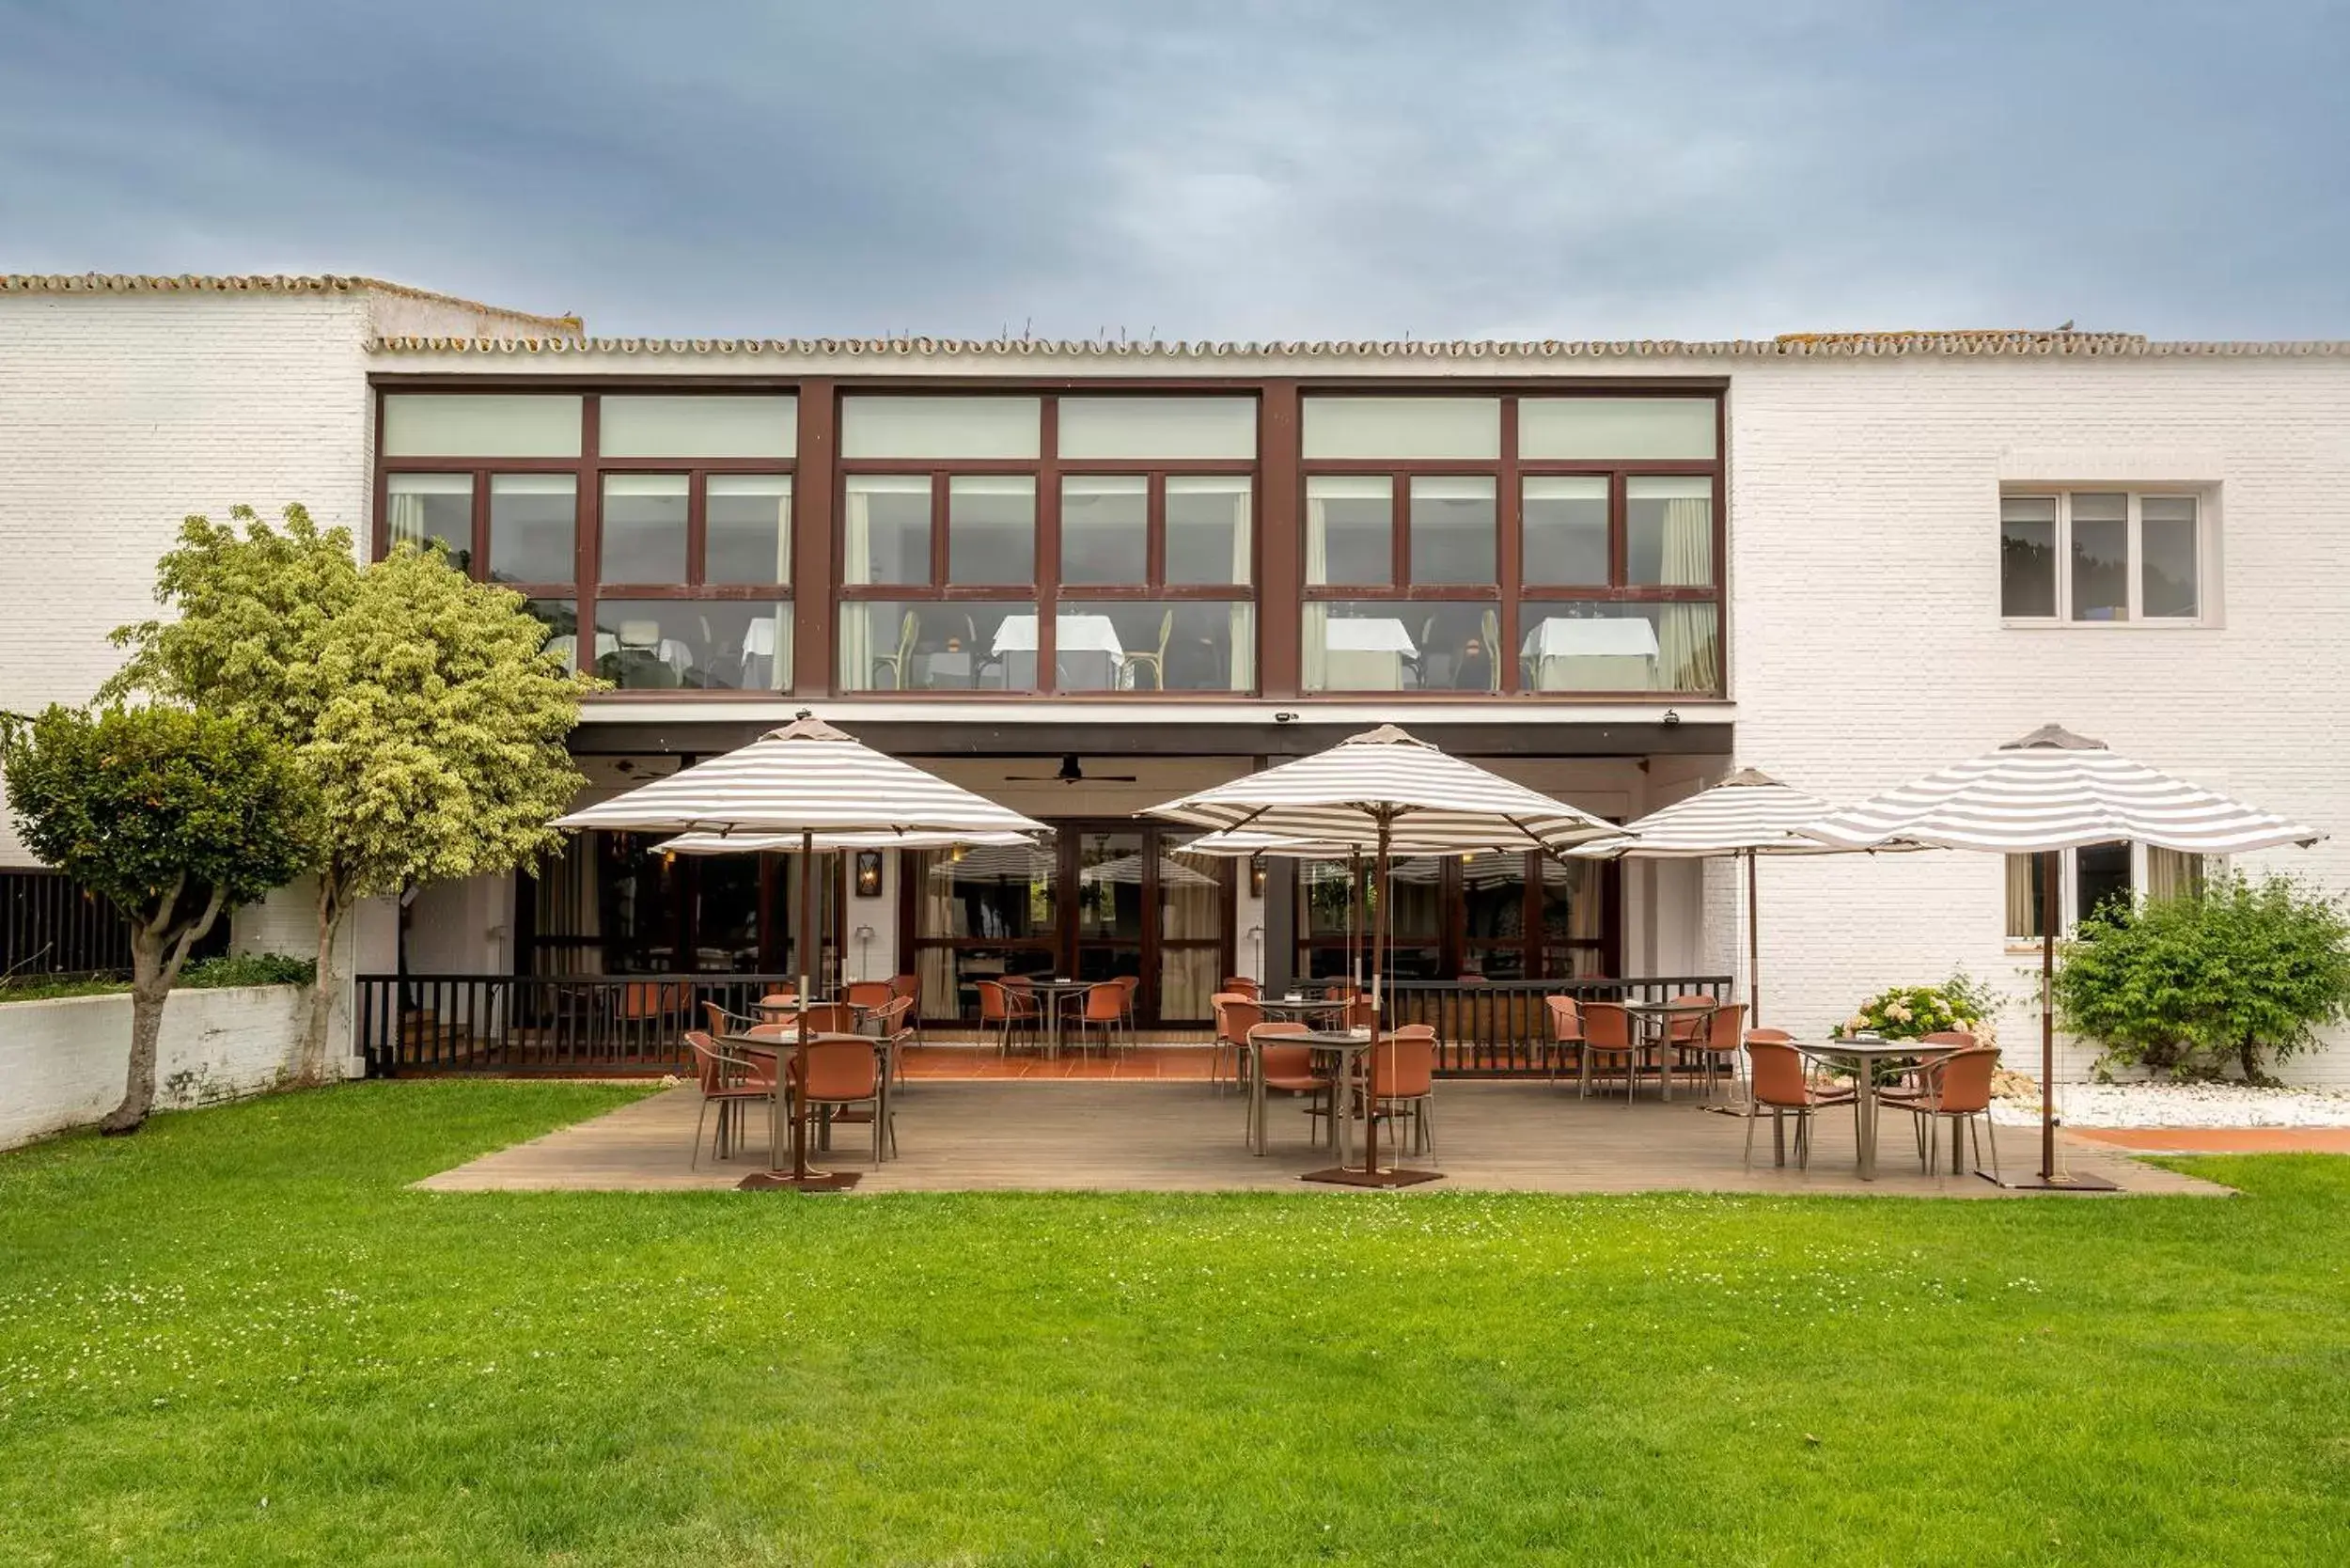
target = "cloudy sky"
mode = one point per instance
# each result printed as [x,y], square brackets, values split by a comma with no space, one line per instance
[1352,168]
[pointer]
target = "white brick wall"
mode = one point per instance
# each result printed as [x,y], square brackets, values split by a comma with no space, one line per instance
[1867,646]
[62,1062]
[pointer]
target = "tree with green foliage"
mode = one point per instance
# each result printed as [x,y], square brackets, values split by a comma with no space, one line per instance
[176,816]
[2243,972]
[420,704]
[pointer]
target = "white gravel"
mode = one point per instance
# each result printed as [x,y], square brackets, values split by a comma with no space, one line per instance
[2167,1105]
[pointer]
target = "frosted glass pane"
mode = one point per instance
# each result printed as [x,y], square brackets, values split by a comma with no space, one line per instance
[1158,428]
[1402,428]
[471,424]
[1616,427]
[939,427]
[689,427]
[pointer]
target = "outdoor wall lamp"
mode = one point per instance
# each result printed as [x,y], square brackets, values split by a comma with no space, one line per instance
[1285,719]
[868,874]
[1256,876]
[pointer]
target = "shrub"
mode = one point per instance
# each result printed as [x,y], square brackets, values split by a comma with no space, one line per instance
[250,969]
[2245,972]
[1912,1012]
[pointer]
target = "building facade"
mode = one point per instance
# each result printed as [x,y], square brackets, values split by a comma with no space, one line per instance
[1084,578]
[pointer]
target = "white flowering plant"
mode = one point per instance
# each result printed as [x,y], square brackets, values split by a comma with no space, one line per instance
[1912,1012]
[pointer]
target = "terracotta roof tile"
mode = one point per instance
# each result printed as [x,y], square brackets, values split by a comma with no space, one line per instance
[280,283]
[2108,345]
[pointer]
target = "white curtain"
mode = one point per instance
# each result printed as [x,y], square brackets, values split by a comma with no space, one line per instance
[407,518]
[855,667]
[1314,618]
[2172,874]
[2023,921]
[1688,636]
[1244,646]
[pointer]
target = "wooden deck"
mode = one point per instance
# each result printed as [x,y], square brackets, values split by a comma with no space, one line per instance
[1186,1136]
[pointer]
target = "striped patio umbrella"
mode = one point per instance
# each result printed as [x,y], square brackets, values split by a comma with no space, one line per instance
[1385,792]
[829,843]
[800,782]
[1747,814]
[2047,792]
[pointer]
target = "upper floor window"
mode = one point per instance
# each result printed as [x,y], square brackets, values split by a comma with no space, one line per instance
[2101,556]
[652,534]
[2092,877]
[1513,543]
[1097,543]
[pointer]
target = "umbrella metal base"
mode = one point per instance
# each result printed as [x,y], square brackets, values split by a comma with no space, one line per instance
[1356,1176]
[814,1181]
[2037,1182]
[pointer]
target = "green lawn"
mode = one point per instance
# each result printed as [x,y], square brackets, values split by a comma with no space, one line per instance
[237,1339]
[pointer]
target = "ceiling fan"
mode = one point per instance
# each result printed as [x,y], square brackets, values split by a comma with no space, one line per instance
[1071,771]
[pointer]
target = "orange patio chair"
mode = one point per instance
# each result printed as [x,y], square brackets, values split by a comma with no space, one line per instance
[1566,1029]
[732,1084]
[1105,1009]
[1776,1082]
[1956,1088]
[1404,1081]
[1287,1070]
[1607,1033]
[841,1074]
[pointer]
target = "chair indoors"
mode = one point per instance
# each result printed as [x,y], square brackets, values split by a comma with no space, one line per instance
[1955,1088]
[1608,1032]
[732,1084]
[1776,1082]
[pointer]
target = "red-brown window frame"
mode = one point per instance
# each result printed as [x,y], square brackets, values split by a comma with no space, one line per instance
[1453,942]
[1509,471]
[1044,595]
[588,470]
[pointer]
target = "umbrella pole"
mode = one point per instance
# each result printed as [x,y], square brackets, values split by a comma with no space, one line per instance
[2048,872]
[799,1176]
[1368,1174]
[1754,948]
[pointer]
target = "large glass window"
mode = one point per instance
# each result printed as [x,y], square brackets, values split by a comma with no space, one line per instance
[694,644]
[1442,533]
[749,529]
[699,426]
[644,528]
[1565,528]
[991,528]
[1105,529]
[481,425]
[2107,557]
[1207,529]
[427,509]
[2093,877]
[1187,645]
[937,646]
[1350,523]
[1498,915]
[1120,560]
[533,527]
[677,507]
[1603,646]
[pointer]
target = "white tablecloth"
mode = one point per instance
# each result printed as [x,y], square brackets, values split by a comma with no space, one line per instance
[1367,634]
[1565,637]
[1091,634]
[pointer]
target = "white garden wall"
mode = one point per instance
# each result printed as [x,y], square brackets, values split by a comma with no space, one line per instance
[62,1063]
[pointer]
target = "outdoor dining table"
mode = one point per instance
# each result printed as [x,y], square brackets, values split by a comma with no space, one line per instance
[1868,1054]
[1657,1017]
[1054,994]
[1347,1045]
[1303,1006]
[780,1043]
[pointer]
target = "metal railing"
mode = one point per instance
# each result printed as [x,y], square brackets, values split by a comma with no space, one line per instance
[51,926]
[1501,1029]
[622,1024]
[619,1025]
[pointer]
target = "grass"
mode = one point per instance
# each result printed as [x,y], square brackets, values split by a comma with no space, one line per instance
[238,1339]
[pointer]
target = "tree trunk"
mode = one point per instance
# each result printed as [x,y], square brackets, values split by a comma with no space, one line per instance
[149,990]
[330,911]
[2248,1052]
